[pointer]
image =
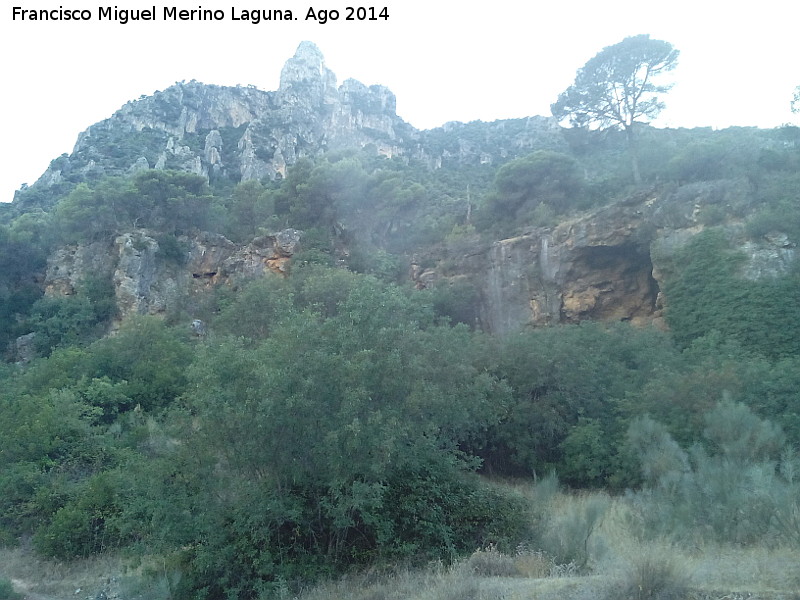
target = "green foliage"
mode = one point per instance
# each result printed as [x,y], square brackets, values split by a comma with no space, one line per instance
[707,293]
[22,253]
[86,524]
[329,437]
[616,86]
[145,361]
[171,201]
[730,493]
[566,403]
[250,210]
[89,215]
[172,249]
[59,321]
[7,591]
[777,197]
[588,453]
[257,310]
[548,179]
[66,421]
[387,205]
[428,515]
[712,159]
[48,440]
[377,262]
[167,201]
[329,189]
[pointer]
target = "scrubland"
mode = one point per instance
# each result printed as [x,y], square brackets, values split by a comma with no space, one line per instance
[590,549]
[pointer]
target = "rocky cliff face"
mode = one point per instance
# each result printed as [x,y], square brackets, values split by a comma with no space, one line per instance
[148,281]
[241,133]
[238,132]
[605,264]
[608,264]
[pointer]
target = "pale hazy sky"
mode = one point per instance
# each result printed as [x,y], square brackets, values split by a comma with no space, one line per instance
[445,61]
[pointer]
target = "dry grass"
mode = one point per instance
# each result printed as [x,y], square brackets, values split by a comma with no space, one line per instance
[456,583]
[654,574]
[44,579]
[524,563]
[758,570]
[622,567]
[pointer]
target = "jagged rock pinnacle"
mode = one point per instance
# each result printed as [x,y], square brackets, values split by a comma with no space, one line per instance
[305,78]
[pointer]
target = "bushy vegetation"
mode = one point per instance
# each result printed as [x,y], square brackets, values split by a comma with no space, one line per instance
[535,188]
[651,576]
[331,421]
[337,419]
[738,485]
[708,293]
[203,452]
[7,590]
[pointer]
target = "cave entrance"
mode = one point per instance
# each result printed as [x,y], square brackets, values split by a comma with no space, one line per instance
[610,283]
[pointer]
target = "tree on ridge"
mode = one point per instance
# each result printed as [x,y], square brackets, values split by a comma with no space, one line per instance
[616,89]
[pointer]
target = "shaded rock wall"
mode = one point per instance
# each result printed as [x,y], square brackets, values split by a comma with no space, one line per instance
[608,264]
[148,282]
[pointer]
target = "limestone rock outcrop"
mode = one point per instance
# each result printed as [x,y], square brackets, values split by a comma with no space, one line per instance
[146,281]
[608,264]
[239,133]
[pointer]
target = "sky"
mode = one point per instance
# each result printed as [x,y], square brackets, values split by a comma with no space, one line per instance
[445,60]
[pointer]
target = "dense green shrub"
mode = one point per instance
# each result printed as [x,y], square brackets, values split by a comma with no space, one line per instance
[22,252]
[709,293]
[89,522]
[326,436]
[60,321]
[7,591]
[566,413]
[428,515]
[542,179]
[727,492]
[146,361]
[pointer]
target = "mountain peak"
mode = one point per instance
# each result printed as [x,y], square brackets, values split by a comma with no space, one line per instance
[305,77]
[309,51]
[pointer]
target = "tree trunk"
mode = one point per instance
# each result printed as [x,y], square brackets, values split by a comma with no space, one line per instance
[633,150]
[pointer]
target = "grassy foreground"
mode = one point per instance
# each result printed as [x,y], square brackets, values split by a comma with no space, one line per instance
[607,562]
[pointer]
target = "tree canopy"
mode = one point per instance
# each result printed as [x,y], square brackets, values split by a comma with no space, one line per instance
[617,88]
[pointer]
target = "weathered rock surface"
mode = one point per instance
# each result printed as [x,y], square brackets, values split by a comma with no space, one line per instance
[23,349]
[241,133]
[605,264]
[238,132]
[146,282]
[608,264]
